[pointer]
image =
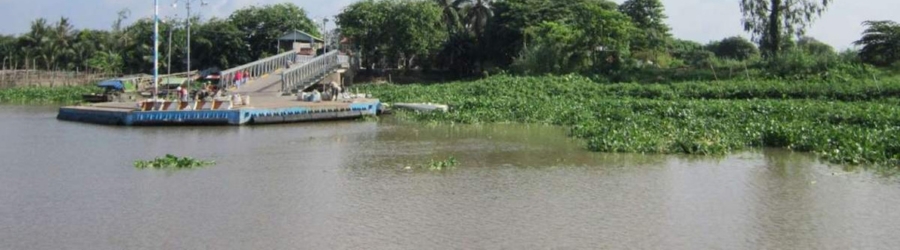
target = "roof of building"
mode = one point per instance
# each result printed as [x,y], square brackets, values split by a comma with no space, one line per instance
[297,35]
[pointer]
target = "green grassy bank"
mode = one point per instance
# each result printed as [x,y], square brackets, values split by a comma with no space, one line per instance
[847,123]
[69,94]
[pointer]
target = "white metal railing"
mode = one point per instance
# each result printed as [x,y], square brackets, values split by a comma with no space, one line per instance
[305,74]
[260,67]
[345,61]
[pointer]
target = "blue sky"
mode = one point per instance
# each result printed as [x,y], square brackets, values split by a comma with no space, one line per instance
[698,20]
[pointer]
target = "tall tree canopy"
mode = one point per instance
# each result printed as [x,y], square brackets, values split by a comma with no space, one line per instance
[735,47]
[772,22]
[263,25]
[387,30]
[595,37]
[219,43]
[364,22]
[513,17]
[477,14]
[814,47]
[648,16]
[881,43]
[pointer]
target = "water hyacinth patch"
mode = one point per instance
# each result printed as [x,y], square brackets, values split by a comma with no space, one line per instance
[68,94]
[848,122]
[172,162]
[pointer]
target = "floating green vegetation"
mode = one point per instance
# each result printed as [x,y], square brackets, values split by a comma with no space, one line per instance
[843,122]
[437,165]
[66,94]
[172,162]
[368,118]
[442,164]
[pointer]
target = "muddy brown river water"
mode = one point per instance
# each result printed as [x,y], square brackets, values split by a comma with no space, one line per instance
[344,185]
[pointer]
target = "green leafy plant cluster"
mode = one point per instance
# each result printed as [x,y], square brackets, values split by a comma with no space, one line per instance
[442,164]
[69,94]
[852,123]
[172,162]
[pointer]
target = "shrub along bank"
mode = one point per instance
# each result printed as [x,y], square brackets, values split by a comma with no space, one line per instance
[851,123]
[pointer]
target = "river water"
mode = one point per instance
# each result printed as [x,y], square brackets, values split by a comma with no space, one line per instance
[345,185]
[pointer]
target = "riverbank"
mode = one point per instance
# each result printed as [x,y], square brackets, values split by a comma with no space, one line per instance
[843,122]
[62,95]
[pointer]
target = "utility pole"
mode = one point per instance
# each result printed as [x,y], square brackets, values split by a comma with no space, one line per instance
[325,35]
[169,57]
[155,48]
[188,48]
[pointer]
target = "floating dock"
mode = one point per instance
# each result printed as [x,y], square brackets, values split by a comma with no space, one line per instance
[264,110]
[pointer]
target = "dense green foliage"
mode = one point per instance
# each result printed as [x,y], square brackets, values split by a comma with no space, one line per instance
[246,35]
[772,22]
[598,38]
[855,123]
[69,94]
[593,39]
[172,162]
[401,31]
[261,26]
[650,19]
[881,43]
[737,48]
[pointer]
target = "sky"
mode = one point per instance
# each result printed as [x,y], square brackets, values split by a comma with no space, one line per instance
[697,20]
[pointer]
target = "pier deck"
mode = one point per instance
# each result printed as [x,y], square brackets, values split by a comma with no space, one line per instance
[263,110]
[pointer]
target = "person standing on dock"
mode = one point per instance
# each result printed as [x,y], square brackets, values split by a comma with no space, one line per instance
[185,97]
[238,77]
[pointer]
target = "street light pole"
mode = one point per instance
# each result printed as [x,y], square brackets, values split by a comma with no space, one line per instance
[325,34]
[155,48]
[188,48]
[169,57]
[188,20]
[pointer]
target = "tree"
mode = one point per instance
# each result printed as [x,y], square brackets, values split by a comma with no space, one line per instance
[218,43]
[478,12]
[506,30]
[137,54]
[881,43]
[451,14]
[415,29]
[736,47]
[261,26]
[86,44]
[59,50]
[364,22]
[649,17]
[398,31]
[104,61]
[34,43]
[772,22]
[594,39]
[118,38]
[815,47]
[8,50]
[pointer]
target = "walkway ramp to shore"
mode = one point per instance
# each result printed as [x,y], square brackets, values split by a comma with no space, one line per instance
[284,73]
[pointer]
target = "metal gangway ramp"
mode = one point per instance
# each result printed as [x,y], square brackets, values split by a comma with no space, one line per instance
[283,73]
[261,71]
[301,77]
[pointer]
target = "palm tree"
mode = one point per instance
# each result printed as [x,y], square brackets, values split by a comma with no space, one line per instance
[59,48]
[452,15]
[32,44]
[477,14]
[881,43]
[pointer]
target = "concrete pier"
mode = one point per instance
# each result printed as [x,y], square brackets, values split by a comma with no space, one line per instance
[264,110]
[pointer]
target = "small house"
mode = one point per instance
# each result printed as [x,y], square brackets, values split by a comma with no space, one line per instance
[302,42]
